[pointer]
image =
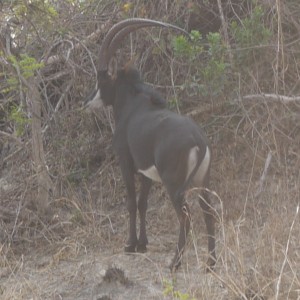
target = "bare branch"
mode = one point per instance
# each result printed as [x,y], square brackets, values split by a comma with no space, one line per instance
[260,97]
[271,97]
[56,58]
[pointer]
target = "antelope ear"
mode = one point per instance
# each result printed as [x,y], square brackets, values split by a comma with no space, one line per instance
[112,68]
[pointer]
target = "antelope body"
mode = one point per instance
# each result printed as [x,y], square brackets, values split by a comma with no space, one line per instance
[153,142]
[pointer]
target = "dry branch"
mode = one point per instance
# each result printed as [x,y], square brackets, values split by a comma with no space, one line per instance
[259,97]
[92,37]
[272,97]
[264,174]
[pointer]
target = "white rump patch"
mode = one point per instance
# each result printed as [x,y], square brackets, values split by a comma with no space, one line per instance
[192,161]
[151,173]
[197,181]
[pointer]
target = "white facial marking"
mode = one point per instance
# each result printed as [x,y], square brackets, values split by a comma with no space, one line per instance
[151,173]
[192,161]
[96,102]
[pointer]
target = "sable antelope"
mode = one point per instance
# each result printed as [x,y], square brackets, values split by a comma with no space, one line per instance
[150,140]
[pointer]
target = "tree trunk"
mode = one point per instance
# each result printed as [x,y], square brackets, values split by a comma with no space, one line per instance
[38,155]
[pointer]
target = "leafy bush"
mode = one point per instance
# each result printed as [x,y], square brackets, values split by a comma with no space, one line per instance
[169,290]
[26,65]
[19,119]
[207,58]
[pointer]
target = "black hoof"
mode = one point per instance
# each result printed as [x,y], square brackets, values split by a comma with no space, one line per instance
[210,265]
[129,249]
[141,248]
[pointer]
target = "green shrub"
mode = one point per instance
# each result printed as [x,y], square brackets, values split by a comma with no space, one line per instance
[169,290]
[207,60]
[249,35]
[19,119]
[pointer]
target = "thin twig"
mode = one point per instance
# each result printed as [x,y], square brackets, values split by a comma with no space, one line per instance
[264,174]
[286,254]
[225,31]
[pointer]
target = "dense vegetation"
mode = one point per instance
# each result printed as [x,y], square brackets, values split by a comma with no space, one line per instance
[238,76]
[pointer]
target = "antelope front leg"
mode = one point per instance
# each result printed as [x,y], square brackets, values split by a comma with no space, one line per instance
[131,243]
[142,207]
[128,176]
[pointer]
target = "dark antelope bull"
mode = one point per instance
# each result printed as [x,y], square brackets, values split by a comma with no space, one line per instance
[156,143]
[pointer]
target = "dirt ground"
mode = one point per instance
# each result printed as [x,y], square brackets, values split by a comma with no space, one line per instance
[86,261]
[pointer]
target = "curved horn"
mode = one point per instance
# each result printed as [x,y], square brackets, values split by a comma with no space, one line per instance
[117,33]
